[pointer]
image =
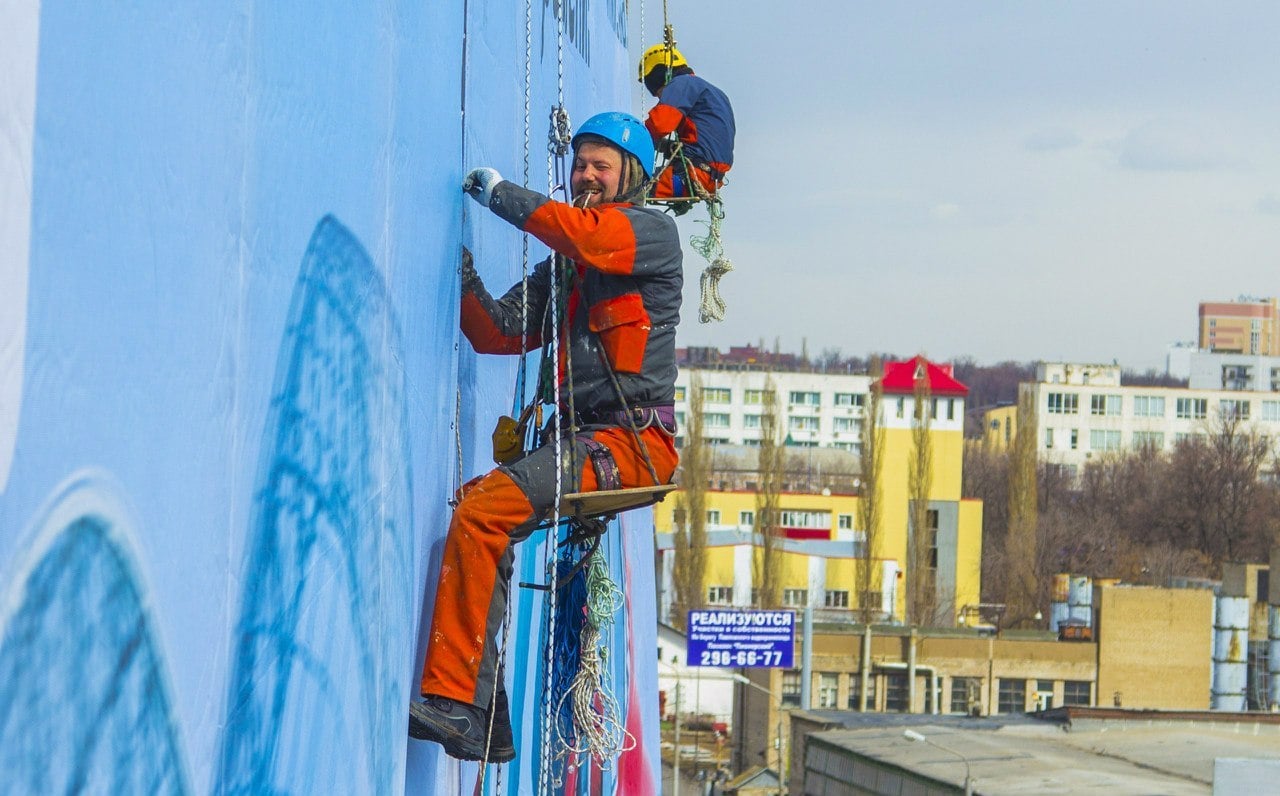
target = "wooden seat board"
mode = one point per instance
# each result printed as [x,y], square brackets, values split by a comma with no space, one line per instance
[611,501]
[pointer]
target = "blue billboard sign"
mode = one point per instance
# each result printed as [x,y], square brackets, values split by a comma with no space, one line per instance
[762,639]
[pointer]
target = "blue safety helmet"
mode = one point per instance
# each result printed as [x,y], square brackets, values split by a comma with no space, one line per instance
[623,131]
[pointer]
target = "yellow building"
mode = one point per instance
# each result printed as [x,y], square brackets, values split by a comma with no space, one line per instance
[824,545]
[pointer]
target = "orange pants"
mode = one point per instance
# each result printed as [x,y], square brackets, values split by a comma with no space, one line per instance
[497,511]
[674,183]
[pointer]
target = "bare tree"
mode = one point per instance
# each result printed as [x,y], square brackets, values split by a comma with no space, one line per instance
[690,531]
[767,561]
[922,548]
[1022,594]
[1214,489]
[870,506]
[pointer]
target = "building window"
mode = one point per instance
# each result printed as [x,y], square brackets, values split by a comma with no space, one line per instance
[931,527]
[951,408]
[1233,409]
[902,408]
[1148,406]
[715,419]
[845,424]
[1063,403]
[716,395]
[795,598]
[1148,440]
[966,694]
[751,421]
[1192,408]
[844,522]
[1076,692]
[855,691]
[1013,696]
[836,599]
[871,601]
[791,688]
[679,418]
[1075,439]
[827,689]
[799,423]
[895,692]
[747,518]
[679,393]
[801,398]
[720,595]
[1103,440]
[713,516]
[1048,439]
[790,518]
[757,397]
[1104,405]
[1271,410]
[853,399]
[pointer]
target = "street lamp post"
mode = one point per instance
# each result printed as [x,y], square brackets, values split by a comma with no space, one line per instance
[741,679]
[912,735]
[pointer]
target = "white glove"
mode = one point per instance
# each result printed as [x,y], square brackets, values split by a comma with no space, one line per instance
[479,184]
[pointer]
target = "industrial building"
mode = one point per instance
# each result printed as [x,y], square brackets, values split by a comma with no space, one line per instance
[1071,750]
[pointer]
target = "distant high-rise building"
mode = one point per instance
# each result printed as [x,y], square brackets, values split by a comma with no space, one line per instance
[1245,326]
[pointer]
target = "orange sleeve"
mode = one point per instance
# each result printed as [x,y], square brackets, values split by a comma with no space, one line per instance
[663,120]
[600,238]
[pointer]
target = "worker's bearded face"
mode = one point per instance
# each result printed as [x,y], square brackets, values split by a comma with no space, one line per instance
[597,170]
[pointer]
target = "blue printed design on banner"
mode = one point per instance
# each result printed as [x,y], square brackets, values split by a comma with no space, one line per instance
[329,557]
[84,704]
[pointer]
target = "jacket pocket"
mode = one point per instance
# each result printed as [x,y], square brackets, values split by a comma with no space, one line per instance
[622,323]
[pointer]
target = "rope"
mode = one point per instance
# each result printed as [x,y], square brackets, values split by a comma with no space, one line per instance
[544,780]
[600,731]
[711,306]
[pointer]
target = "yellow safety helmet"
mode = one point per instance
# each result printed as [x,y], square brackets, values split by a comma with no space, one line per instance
[660,55]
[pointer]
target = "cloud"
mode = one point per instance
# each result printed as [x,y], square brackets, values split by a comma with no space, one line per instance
[1269,204]
[1170,146]
[1051,140]
[945,211]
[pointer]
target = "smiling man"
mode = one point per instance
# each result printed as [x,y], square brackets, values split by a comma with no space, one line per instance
[619,303]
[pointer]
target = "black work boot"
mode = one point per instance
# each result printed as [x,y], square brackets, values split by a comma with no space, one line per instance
[462,728]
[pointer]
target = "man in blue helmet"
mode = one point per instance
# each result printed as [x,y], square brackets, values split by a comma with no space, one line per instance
[619,304]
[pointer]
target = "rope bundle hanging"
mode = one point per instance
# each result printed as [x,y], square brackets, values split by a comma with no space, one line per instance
[711,307]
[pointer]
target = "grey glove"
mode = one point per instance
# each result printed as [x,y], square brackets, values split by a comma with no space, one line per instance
[479,184]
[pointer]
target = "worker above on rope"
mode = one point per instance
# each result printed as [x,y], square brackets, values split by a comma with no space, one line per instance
[700,117]
[619,303]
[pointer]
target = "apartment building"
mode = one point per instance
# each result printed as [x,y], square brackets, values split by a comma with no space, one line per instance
[1083,411]
[1245,326]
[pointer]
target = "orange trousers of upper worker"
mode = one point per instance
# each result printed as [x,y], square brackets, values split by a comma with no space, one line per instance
[673,182]
[495,512]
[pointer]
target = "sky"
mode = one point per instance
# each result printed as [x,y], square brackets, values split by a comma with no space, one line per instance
[998,180]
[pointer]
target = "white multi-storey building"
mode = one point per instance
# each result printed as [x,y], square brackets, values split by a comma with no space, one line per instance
[816,410]
[1083,411]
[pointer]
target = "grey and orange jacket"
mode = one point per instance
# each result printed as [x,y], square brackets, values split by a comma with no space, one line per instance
[625,298]
[700,115]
